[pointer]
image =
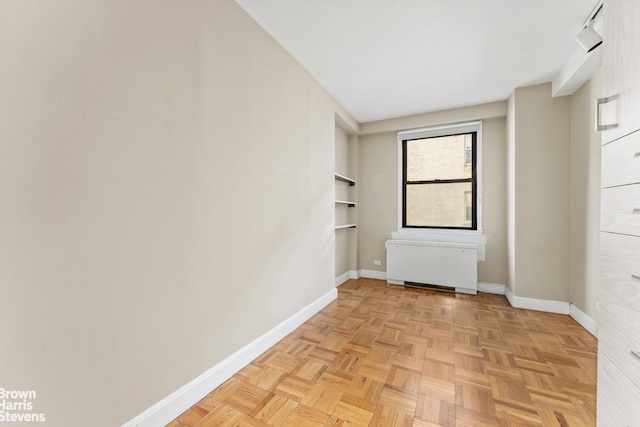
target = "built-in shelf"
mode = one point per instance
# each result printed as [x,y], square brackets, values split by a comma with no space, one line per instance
[339,227]
[346,202]
[343,178]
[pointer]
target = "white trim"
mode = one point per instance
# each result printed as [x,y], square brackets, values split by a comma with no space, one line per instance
[342,278]
[167,409]
[584,320]
[550,306]
[372,274]
[491,288]
[351,274]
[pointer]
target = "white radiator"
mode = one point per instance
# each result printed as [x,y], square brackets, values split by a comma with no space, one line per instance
[433,263]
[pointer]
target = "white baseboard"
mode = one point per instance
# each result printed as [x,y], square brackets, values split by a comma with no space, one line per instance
[584,320]
[372,274]
[550,306]
[352,274]
[166,410]
[342,278]
[492,288]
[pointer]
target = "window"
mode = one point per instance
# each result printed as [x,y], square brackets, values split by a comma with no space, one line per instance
[439,177]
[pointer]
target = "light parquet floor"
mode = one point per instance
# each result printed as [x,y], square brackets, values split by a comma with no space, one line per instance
[386,355]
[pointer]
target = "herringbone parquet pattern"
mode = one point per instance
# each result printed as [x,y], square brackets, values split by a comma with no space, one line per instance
[385,355]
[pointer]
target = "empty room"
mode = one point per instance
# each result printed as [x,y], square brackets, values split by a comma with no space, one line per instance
[317,213]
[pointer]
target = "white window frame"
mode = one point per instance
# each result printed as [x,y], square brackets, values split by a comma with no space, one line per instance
[444,235]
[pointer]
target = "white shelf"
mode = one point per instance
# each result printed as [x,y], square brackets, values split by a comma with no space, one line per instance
[343,178]
[340,227]
[348,203]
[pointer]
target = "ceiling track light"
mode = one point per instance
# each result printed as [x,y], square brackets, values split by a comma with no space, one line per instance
[588,38]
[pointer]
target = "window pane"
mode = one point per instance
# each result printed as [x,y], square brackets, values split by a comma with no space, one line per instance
[439,205]
[444,157]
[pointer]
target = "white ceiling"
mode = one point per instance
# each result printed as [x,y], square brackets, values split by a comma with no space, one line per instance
[390,58]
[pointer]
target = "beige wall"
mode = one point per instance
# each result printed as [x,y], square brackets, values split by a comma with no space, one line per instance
[353,196]
[342,192]
[585,199]
[378,196]
[166,172]
[541,195]
[342,156]
[494,204]
[511,188]
[464,114]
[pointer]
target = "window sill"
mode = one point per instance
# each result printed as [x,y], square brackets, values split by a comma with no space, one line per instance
[439,235]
